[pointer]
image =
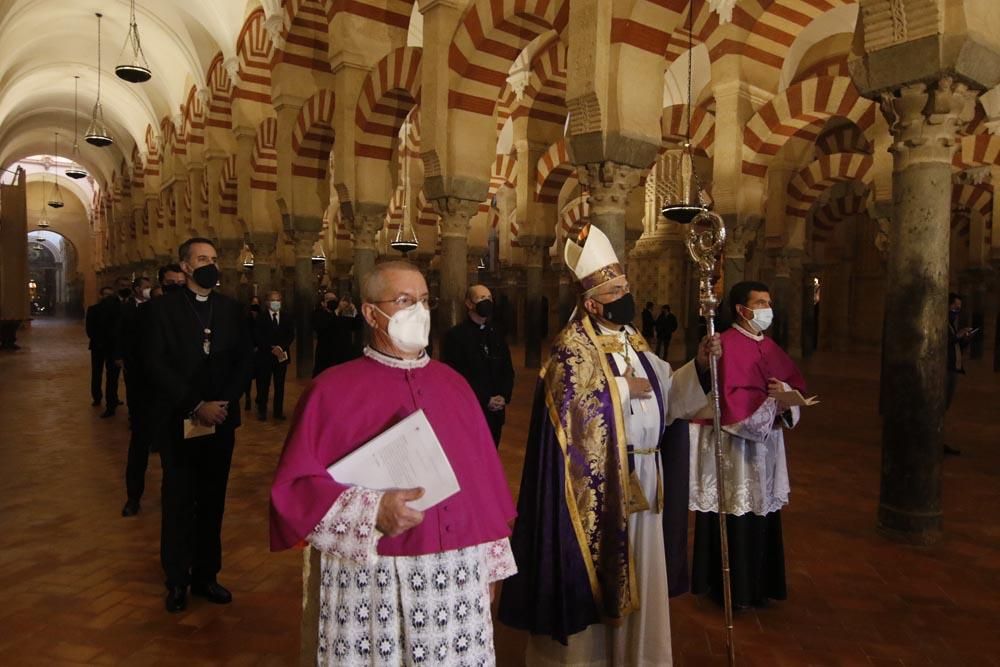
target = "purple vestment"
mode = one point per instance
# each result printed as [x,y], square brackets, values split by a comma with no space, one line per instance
[348,405]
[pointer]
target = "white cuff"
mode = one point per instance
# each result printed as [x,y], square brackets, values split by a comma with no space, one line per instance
[348,528]
[500,562]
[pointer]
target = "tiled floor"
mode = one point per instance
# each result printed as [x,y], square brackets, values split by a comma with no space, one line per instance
[81,585]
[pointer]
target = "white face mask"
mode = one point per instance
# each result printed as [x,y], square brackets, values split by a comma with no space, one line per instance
[410,328]
[146,291]
[275,306]
[762,318]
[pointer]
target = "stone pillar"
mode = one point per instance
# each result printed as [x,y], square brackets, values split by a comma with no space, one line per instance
[265,245]
[455,217]
[796,300]
[245,138]
[924,122]
[305,300]
[809,322]
[534,257]
[781,297]
[977,279]
[609,184]
[365,227]
[229,263]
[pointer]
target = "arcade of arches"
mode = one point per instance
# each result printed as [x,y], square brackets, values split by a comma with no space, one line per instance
[850,147]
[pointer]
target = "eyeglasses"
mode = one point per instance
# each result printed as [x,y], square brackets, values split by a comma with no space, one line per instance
[404,301]
[616,292]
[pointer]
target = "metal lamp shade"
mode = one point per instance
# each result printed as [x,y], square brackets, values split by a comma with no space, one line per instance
[688,204]
[133,73]
[404,246]
[97,133]
[75,172]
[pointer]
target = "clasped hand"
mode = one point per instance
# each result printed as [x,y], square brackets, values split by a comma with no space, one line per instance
[394,515]
[776,386]
[637,387]
[212,413]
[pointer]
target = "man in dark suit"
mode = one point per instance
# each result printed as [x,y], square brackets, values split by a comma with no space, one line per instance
[666,325]
[198,357]
[481,356]
[99,356]
[648,322]
[137,394]
[103,332]
[335,324]
[273,333]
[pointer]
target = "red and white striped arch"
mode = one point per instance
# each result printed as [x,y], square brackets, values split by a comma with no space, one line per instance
[574,216]
[673,126]
[978,151]
[138,171]
[427,216]
[264,159]
[844,138]
[502,173]
[152,153]
[554,167]
[255,53]
[796,112]
[228,187]
[545,95]
[975,201]
[220,95]
[773,25]
[173,144]
[193,121]
[826,217]
[807,185]
[647,24]
[312,138]
[491,35]
[390,90]
[305,30]
[393,13]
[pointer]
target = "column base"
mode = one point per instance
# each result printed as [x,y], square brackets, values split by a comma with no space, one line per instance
[917,528]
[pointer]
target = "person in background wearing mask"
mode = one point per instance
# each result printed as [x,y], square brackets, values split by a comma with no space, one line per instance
[753,420]
[109,319]
[100,355]
[958,340]
[426,577]
[131,327]
[199,360]
[481,356]
[273,333]
[601,408]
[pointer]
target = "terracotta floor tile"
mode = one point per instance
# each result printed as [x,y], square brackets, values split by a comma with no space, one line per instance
[84,586]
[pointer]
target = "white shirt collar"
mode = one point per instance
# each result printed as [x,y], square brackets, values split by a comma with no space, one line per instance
[395,362]
[757,337]
[614,332]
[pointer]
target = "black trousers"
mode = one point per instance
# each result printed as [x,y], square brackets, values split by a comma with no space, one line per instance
[662,346]
[495,421]
[267,370]
[195,475]
[140,436]
[101,361]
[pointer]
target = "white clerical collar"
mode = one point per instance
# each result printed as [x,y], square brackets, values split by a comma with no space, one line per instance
[625,330]
[752,336]
[396,362]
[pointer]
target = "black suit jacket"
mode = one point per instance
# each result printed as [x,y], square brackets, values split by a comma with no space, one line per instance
[102,324]
[482,357]
[266,335]
[179,372]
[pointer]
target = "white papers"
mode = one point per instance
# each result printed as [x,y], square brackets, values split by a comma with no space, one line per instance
[196,430]
[404,456]
[794,398]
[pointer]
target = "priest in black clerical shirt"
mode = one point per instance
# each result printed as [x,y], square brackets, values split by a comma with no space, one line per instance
[481,356]
[199,362]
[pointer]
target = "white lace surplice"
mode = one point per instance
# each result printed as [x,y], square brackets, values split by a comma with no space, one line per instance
[408,610]
[753,452]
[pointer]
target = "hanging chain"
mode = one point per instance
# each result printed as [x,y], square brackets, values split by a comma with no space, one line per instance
[98,60]
[690,71]
[76,112]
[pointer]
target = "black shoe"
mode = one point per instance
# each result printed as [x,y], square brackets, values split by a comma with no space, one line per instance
[176,599]
[951,451]
[131,508]
[109,412]
[214,592]
[96,402]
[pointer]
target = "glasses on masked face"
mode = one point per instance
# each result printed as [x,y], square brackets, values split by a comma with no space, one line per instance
[614,293]
[404,301]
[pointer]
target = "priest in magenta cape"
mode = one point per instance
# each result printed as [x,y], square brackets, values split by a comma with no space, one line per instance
[592,580]
[423,595]
[753,447]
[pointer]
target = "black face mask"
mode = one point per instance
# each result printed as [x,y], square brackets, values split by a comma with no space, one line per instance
[254,307]
[485,308]
[620,311]
[171,287]
[206,276]
[124,293]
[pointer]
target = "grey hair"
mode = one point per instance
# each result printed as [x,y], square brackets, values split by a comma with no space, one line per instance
[373,286]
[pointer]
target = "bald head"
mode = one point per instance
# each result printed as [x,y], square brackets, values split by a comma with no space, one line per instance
[382,283]
[479,303]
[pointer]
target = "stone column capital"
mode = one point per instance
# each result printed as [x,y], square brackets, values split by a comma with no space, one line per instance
[608,182]
[925,120]
[456,215]
[264,244]
[303,243]
[365,227]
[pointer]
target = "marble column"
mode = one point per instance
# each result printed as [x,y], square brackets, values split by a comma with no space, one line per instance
[534,256]
[365,227]
[305,301]
[455,218]
[265,256]
[924,120]
[229,263]
[609,184]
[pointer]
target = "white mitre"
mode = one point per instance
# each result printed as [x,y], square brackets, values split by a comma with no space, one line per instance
[595,262]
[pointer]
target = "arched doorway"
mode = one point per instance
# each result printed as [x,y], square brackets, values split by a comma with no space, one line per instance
[54,282]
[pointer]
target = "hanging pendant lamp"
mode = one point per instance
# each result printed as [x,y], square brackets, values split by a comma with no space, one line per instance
[97,134]
[405,241]
[43,218]
[688,190]
[56,201]
[74,170]
[133,67]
